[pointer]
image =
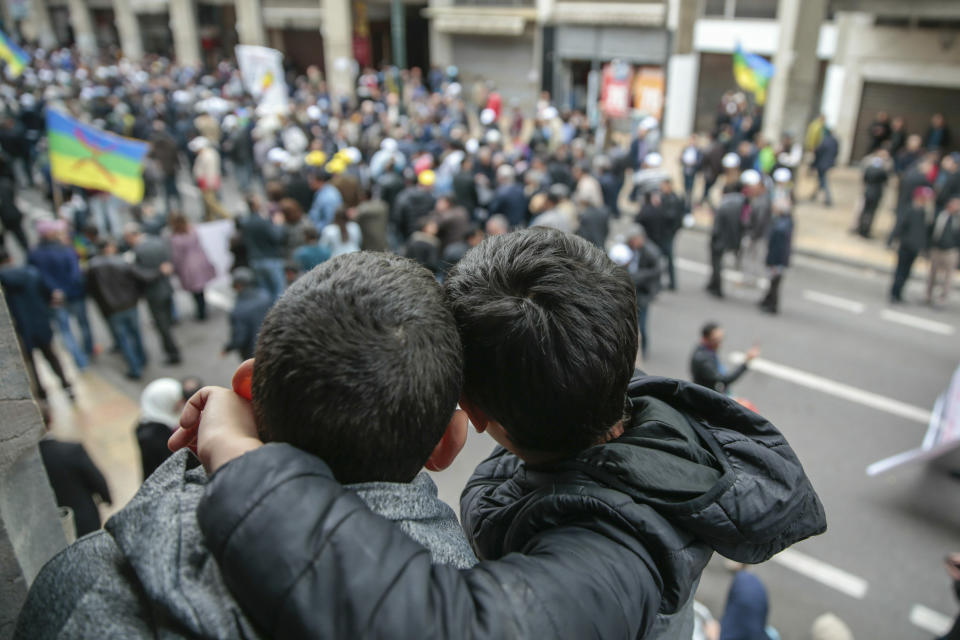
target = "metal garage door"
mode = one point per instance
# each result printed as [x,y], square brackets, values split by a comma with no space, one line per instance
[505,60]
[915,104]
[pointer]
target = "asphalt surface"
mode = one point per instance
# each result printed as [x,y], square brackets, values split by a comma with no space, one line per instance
[882,555]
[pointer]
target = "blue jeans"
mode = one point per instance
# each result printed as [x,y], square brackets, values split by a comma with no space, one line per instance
[78,310]
[824,186]
[126,328]
[270,275]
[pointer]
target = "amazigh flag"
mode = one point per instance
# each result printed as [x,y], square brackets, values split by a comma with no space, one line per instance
[15,57]
[752,73]
[87,157]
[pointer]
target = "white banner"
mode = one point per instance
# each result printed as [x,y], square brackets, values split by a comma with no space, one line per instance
[261,70]
[943,433]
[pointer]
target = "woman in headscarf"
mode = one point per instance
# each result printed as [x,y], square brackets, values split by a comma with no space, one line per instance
[160,405]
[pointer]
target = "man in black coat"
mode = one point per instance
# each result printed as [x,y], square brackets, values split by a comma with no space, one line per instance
[874,181]
[646,272]
[75,480]
[152,255]
[914,178]
[726,234]
[11,218]
[584,547]
[508,199]
[824,158]
[779,248]
[910,236]
[662,217]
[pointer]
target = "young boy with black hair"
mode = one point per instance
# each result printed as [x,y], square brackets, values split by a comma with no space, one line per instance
[594,519]
[359,361]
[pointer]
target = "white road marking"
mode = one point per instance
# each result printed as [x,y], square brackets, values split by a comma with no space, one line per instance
[917,322]
[837,389]
[219,300]
[837,268]
[929,620]
[834,301]
[824,573]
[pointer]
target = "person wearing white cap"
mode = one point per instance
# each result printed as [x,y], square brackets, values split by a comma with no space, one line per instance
[756,226]
[731,168]
[646,141]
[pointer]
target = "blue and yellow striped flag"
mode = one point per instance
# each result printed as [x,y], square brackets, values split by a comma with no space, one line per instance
[15,57]
[87,157]
[752,73]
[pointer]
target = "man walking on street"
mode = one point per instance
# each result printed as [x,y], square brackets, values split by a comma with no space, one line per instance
[725,237]
[706,369]
[910,234]
[645,272]
[874,180]
[779,245]
[248,313]
[944,249]
[824,157]
[153,256]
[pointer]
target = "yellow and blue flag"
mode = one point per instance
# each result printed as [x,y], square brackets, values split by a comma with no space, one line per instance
[752,73]
[15,57]
[87,157]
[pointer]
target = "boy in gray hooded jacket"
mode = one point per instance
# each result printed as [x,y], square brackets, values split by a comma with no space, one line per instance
[361,327]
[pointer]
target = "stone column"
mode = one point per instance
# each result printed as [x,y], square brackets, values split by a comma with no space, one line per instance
[250,22]
[844,79]
[186,39]
[38,26]
[82,24]
[682,71]
[30,529]
[131,42]
[441,44]
[790,95]
[338,47]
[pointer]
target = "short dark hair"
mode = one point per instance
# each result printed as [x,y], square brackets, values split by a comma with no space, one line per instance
[359,362]
[708,328]
[549,330]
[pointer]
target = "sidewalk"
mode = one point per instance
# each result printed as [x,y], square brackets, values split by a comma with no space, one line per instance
[820,231]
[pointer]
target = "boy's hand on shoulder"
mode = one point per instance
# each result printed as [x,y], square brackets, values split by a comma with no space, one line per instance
[217,424]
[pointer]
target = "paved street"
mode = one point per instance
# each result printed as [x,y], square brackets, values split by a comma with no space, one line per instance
[848,380]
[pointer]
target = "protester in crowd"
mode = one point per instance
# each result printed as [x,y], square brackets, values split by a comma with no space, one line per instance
[938,134]
[497,225]
[207,175]
[326,198]
[879,132]
[11,218]
[190,262]
[712,167]
[898,138]
[911,236]
[706,368]
[587,188]
[944,250]
[413,204]
[76,481]
[115,286]
[947,184]
[824,159]
[160,404]
[28,301]
[373,217]
[594,220]
[249,310]
[311,252]
[691,163]
[725,236]
[59,267]
[916,176]
[646,274]
[342,235]
[875,178]
[571,551]
[662,217]
[509,199]
[454,252]
[312,392]
[265,239]
[453,222]
[423,245]
[296,224]
[152,256]
[166,155]
[756,229]
[779,247]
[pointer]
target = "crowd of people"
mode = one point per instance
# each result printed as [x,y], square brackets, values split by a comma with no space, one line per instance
[927,206]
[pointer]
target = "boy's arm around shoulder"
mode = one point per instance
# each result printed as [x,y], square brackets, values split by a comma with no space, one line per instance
[329,567]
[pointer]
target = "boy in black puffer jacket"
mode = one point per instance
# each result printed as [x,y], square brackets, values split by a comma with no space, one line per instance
[594,519]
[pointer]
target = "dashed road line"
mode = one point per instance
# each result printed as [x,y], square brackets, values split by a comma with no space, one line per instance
[917,322]
[931,621]
[825,574]
[837,389]
[834,301]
